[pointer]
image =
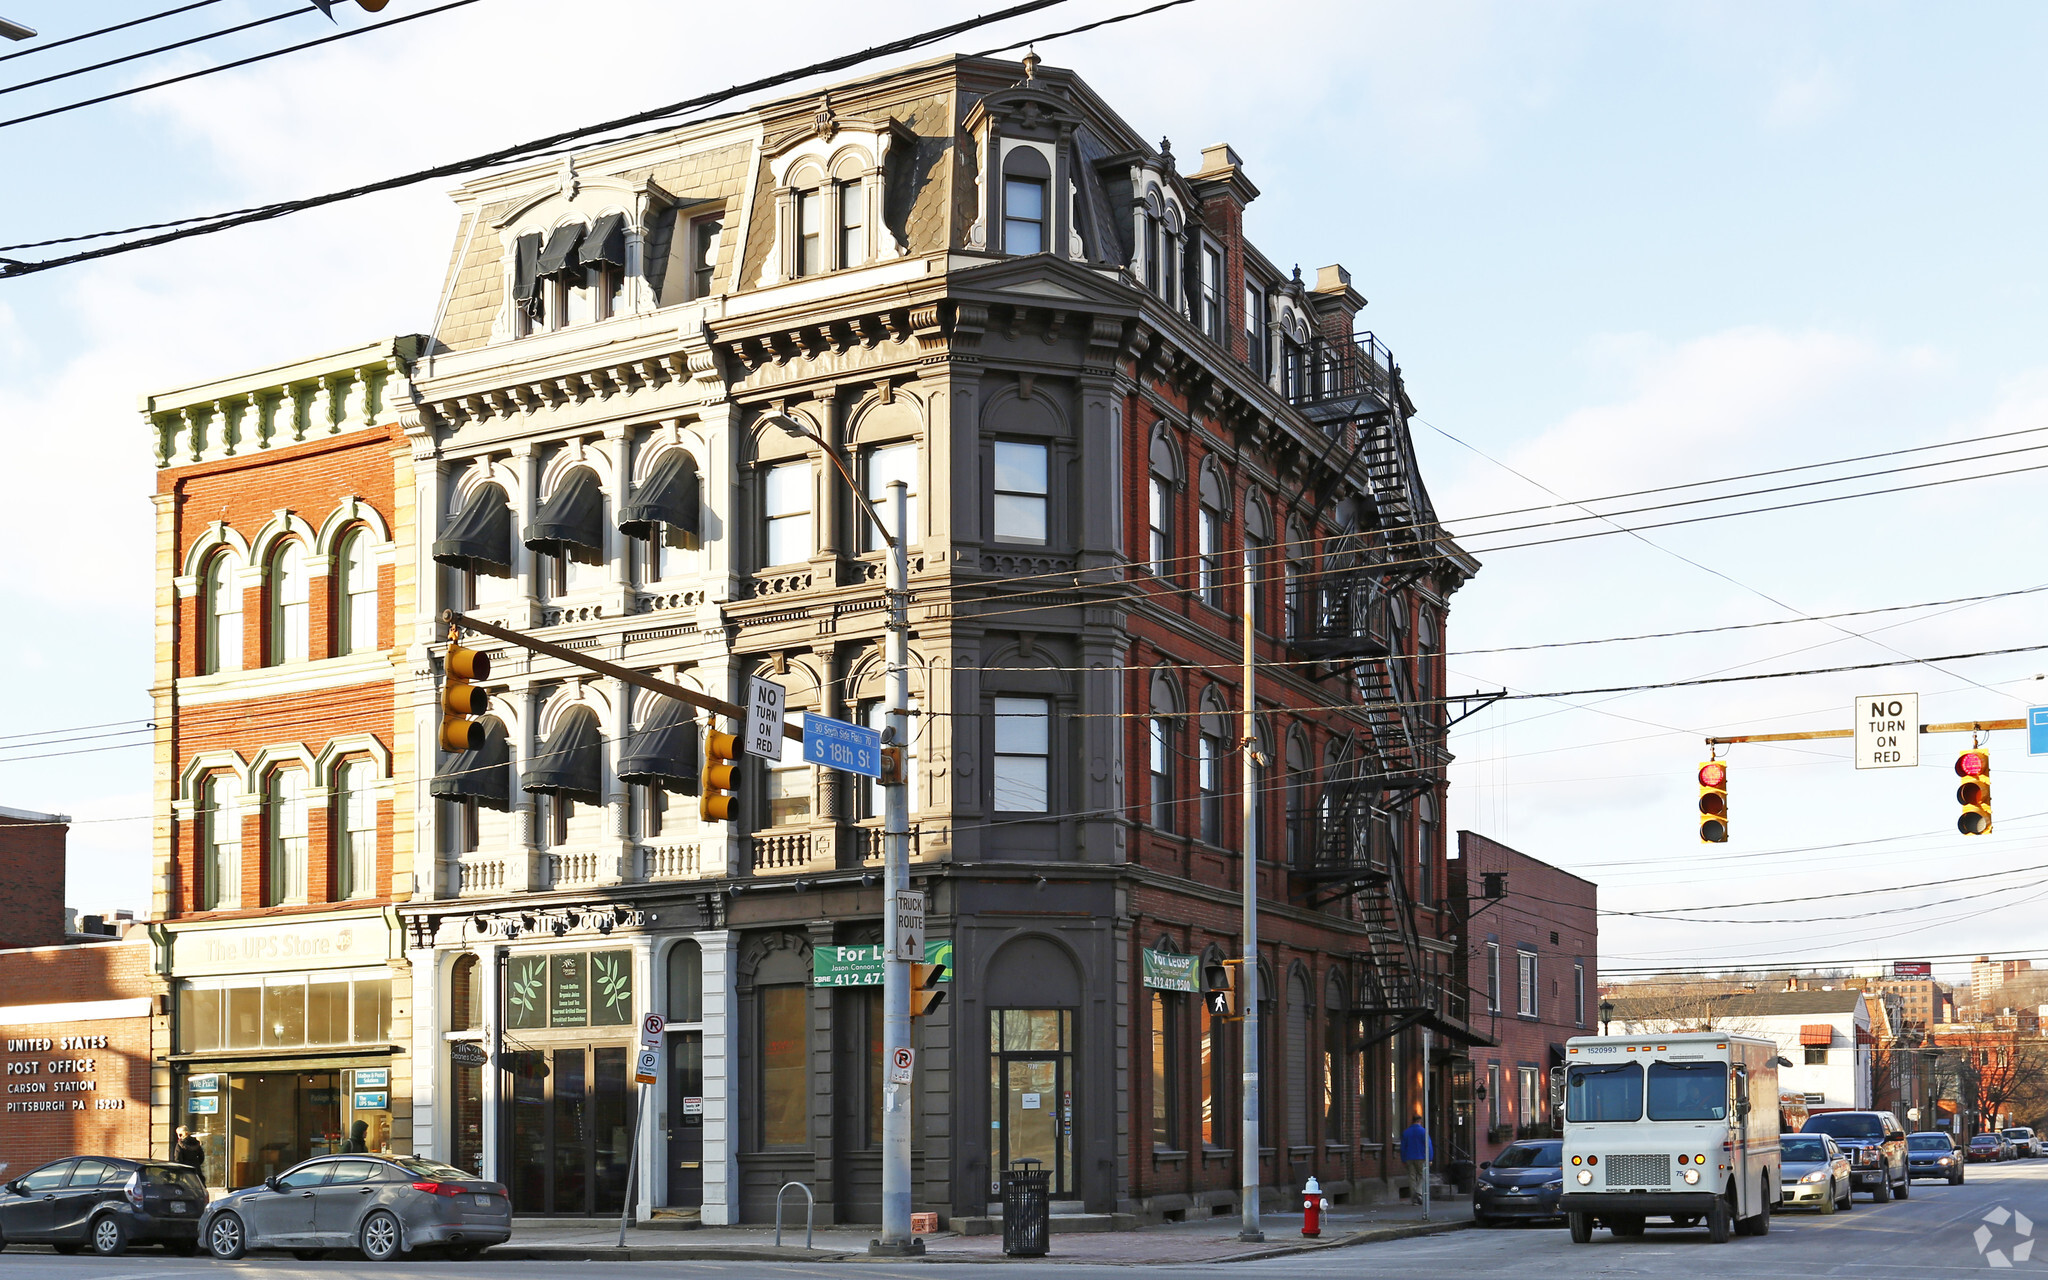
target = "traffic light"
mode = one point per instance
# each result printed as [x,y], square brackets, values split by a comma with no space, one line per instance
[1714,802]
[461,700]
[892,767]
[1974,768]
[925,994]
[721,750]
[1219,990]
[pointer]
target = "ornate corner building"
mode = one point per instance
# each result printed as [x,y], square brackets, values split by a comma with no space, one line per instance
[974,277]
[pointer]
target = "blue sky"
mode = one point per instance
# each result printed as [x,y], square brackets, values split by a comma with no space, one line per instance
[1613,246]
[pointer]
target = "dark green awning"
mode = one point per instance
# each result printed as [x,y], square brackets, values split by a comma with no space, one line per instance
[526,272]
[572,517]
[606,241]
[670,495]
[662,752]
[561,249]
[570,762]
[483,775]
[480,536]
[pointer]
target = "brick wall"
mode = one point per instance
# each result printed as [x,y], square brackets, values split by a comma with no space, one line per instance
[74,1086]
[32,869]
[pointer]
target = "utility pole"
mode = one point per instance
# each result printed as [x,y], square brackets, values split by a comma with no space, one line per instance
[1248,986]
[896,1238]
[1428,1130]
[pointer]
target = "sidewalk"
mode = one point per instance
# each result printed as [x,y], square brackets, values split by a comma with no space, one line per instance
[1206,1240]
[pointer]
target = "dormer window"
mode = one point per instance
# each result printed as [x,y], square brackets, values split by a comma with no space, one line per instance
[852,220]
[810,216]
[573,274]
[1026,176]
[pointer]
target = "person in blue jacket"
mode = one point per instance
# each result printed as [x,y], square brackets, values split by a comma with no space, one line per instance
[1416,1152]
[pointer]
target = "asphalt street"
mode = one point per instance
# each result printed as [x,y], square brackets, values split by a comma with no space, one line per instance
[1940,1231]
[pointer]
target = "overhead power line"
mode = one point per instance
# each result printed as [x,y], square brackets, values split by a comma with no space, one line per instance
[151,53]
[119,26]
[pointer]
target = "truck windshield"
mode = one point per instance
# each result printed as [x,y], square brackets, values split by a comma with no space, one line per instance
[1688,1091]
[1612,1091]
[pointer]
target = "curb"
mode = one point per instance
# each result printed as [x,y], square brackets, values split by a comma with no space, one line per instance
[662,1253]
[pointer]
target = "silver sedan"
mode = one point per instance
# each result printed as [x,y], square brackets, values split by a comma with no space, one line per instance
[384,1206]
[1814,1173]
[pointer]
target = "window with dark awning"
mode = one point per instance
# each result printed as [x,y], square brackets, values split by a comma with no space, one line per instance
[569,762]
[483,775]
[662,752]
[668,496]
[560,250]
[480,536]
[572,517]
[606,242]
[526,273]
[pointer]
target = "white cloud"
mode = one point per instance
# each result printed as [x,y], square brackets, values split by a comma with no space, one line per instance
[1804,98]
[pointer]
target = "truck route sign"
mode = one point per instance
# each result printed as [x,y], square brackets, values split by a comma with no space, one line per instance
[1887,730]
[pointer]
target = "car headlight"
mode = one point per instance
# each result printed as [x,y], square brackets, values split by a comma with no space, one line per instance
[1585,1177]
[1692,1175]
[1818,1175]
[1946,1160]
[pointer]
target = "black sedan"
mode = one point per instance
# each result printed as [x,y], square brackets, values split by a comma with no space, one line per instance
[105,1204]
[1523,1183]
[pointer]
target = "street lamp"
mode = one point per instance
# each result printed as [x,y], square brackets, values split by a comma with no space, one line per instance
[15,31]
[896,1239]
[1606,1015]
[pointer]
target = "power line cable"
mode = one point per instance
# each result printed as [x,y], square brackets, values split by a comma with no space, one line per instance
[119,26]
[230,66]
[162,48]
[78,728]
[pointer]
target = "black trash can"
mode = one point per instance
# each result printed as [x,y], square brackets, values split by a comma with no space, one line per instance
[1027,1209]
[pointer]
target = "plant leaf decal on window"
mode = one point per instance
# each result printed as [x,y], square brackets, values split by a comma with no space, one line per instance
[614,984]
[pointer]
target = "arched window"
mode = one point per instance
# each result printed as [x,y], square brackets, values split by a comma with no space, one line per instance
[355,831]
[356,593]
[1336,1058]
[850,197]
[1165,469]
[1299,1102]
[807,197]
[1258,542]
[686,982]
[1426,887]
[1212,754]
[465,995]
[884,464]
[1300,832]
[1210,537]
[1027,218]
[1163,734]
[220,835]
[290,603]
[284,824]
[220,604]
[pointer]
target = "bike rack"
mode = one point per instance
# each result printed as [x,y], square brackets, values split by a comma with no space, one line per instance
[810,1214]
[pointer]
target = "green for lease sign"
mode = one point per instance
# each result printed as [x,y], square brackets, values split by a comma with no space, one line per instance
[862,966]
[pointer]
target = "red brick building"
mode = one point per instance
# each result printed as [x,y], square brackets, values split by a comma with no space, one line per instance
[80,1031]
[1533,953]
[284,501]
[32,868]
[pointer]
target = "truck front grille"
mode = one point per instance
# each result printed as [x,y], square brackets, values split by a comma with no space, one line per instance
[1638,1171]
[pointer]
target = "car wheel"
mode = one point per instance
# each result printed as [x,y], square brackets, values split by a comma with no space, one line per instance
[1582,1227]
[109,1236]
[1848,1200]
[380,1240]
[226,1238]
[1955,1180]
[1829,1205]
[1905,1190]
[1882,1192]
[1479,1218]
[1760,1225]
[309,1255]
[1719,1226]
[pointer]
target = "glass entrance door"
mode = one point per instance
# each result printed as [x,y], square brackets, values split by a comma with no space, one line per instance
[571,1130]
[1031,1070]
[686,1120]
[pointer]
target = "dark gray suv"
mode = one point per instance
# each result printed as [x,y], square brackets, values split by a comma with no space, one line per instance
[1876,1147]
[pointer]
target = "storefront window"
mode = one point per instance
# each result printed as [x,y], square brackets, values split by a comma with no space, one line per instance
[570,989]
[784,1114]
[284,1012]
[253,1124]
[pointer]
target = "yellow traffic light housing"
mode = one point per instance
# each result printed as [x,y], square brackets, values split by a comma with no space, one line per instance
[1713,802]
[925,993]
[461,700]
[1219,990]
[1974,768]
[721,751]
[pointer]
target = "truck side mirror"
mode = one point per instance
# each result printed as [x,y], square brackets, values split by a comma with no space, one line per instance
[1741,1092]
[1557,1091]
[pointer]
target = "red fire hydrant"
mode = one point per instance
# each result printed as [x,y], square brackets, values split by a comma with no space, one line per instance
[1312,1206]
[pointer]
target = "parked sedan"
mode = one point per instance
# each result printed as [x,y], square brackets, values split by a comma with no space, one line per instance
[103,1203]
[384,1206]
[1931,1153]
[1813,1173]
[1989,1148]
[1523,1182]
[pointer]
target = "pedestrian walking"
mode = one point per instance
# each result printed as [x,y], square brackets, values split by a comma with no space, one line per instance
[1416,1153]
[189,1153]
[357,1137]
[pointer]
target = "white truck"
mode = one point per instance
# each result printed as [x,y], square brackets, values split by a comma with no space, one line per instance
[1682,1126]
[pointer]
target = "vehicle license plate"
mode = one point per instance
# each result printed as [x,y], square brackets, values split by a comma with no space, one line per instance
[177,1206]
[485,1201]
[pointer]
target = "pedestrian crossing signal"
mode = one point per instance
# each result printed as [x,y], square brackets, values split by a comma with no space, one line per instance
[1713,803]
[1219,990]
[925,992]
[1974,768]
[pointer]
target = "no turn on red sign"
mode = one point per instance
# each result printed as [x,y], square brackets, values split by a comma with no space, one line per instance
[1887,730]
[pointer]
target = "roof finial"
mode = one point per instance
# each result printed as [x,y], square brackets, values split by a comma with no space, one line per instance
[1030,63]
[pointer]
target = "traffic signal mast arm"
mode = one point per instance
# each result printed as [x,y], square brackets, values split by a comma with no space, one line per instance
[1961,726]
[639,679]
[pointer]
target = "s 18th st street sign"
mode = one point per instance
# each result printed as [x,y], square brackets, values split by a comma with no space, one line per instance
[1887,730]
[850,748]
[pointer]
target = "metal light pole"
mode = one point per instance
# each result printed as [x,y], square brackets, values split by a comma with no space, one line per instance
[896,1238]
[1248,985]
